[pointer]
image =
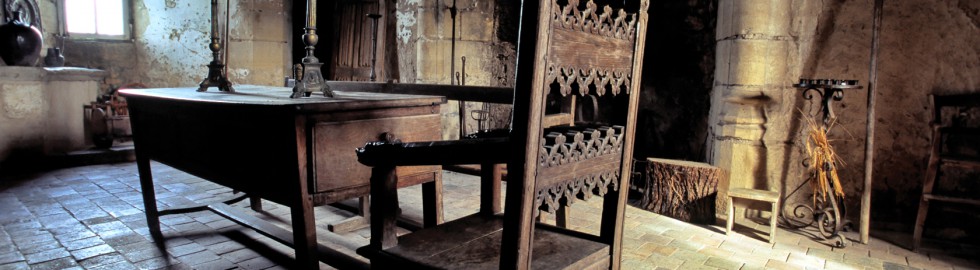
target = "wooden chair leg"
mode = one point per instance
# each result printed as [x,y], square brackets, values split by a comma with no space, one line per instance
[932,171]
[490,177]
[920,220]
[255,203]
[432,201]
[731,216]
[772,222]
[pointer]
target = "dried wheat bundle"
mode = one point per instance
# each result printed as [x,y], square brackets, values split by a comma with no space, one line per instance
[823,160]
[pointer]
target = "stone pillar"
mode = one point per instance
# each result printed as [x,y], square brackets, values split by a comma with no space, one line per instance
[753,120]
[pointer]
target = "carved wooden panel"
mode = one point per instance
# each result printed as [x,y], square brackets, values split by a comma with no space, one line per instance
[578,35]
[590,48]
[578,164]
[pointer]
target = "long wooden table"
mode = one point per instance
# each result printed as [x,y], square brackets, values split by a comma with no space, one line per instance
[295,152]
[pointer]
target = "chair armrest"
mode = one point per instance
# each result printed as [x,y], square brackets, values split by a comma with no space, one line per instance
[470,151]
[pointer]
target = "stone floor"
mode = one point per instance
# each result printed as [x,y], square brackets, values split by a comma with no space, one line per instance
[91,217]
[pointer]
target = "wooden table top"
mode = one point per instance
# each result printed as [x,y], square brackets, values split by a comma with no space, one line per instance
[272,96]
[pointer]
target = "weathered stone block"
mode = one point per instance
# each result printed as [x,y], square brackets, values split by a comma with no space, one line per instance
[778,72]
[751,17]
[22,100]
[724,27]
[478,62]
[433,61]
[435,23]
[476,24]
[723,52]
[748,62]
[780,18]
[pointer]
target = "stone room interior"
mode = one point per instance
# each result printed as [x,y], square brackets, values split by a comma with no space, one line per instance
[465,134]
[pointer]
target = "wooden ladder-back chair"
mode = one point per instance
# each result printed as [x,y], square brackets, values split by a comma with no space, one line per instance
[952,154]
[572,48]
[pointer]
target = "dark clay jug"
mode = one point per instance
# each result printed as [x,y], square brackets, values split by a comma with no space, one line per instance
[20,44]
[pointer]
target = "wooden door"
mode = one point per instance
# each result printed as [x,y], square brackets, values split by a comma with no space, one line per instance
[351,57]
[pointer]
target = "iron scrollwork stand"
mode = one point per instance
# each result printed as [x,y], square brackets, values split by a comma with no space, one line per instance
[827,212]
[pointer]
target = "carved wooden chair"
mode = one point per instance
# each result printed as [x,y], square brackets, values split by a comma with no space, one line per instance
[566,49]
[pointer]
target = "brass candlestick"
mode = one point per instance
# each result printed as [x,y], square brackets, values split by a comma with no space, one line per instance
[312,79]
[216,69]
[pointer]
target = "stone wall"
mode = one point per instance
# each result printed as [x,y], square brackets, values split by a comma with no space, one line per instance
[169,43]
[927,47]
[486,34]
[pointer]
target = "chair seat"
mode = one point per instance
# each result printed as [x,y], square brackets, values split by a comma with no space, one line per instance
[473,242]
[754,194]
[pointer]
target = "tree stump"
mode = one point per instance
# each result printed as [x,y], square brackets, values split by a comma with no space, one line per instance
[679,189]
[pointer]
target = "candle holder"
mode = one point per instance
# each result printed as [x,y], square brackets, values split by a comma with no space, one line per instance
[216,69]
[311,79]
[829,90]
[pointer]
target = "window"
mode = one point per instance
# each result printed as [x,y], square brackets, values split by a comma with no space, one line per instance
[96,19]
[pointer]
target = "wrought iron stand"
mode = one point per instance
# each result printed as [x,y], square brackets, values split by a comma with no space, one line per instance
[827,212]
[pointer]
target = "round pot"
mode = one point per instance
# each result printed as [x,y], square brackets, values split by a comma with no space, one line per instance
[20,44]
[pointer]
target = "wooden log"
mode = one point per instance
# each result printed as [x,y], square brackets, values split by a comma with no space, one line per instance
[682,190]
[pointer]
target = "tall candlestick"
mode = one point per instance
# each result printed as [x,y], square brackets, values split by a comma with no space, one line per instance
[216,69]
[312,79]
[214,19]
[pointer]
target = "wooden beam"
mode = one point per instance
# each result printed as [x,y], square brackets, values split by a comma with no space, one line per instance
[869,145]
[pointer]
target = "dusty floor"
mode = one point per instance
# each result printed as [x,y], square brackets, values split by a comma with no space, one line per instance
[91,217]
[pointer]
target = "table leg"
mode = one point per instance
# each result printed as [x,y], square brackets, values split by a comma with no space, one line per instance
[255,202]
[149,196]
[304,233]
[432,201]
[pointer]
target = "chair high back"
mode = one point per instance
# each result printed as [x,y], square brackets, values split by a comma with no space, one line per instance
[565,48]
[581,50]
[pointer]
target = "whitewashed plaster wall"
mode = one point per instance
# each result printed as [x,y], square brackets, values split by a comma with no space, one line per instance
[41,109]
[170,38]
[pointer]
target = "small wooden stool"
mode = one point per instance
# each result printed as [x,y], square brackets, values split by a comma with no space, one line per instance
[758,195]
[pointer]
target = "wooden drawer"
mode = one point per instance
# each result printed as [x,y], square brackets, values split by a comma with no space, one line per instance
[336,166]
